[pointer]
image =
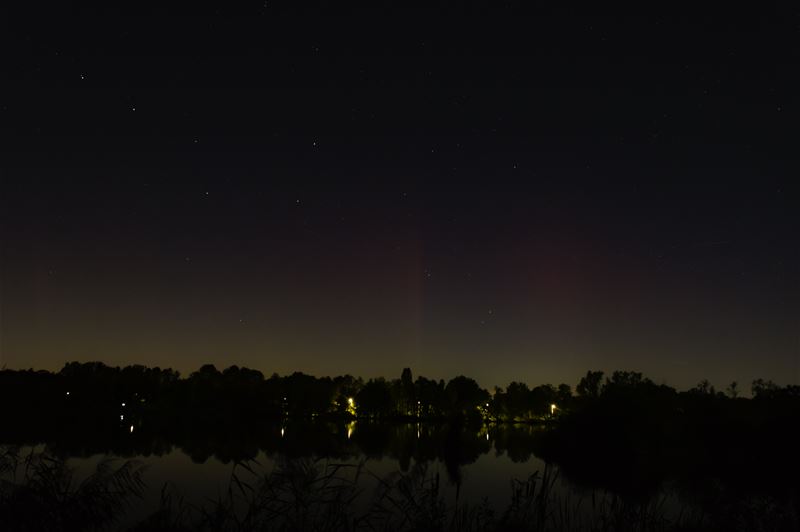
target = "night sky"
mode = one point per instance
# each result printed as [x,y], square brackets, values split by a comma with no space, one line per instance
[509,194]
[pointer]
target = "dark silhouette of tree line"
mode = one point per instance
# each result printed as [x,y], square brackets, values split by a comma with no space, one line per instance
[630,431]
[96,392]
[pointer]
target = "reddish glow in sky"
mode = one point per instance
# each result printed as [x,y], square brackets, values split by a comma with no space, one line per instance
[512,205]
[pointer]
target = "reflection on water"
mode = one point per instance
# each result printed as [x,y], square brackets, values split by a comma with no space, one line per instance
[454,445]
[476,463]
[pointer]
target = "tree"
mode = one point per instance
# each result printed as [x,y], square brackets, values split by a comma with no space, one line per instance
[207,372]
[518,400]
[564,395]
[589,386]
[542,397]
[346,388]
[762,388]
[407,392]
[430,394]
[374,399]
[704,387]
[629,379]
[464,395]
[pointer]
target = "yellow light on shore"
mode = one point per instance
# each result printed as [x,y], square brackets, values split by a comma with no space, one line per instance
[350,401]
[552,409]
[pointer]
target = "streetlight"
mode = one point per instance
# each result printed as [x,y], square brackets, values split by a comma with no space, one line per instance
[552,409]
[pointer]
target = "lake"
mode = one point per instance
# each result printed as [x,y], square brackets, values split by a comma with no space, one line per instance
[471,467]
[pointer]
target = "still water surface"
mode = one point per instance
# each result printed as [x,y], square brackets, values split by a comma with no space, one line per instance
[474,464]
